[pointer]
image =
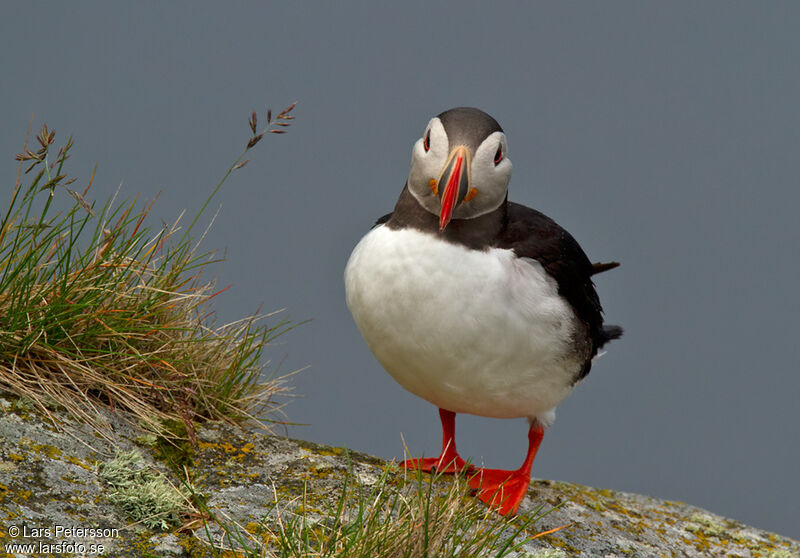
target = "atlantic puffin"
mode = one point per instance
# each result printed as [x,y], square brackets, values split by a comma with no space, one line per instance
[474,303]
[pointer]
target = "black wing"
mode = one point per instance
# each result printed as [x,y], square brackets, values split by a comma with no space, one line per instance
[382,220]
[531,234]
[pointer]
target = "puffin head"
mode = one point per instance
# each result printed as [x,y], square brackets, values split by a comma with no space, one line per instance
[459,167]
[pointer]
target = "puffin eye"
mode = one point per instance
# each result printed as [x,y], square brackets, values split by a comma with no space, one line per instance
[498,156]
[426,143]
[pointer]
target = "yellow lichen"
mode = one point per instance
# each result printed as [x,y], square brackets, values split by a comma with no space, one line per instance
[706,526]
[227,447]
[75,461]
[329,451]
[23,494]
[50,451]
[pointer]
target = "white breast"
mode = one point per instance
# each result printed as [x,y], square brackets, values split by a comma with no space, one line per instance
[479,332]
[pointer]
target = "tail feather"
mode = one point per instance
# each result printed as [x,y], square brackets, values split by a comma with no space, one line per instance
[600,267]
[609,333]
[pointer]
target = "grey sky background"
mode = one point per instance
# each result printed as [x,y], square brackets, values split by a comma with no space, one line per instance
[662,135]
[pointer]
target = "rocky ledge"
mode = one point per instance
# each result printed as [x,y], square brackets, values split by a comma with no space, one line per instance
[58,493]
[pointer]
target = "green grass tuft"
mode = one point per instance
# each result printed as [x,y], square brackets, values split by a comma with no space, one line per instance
[98,308]
[424,516]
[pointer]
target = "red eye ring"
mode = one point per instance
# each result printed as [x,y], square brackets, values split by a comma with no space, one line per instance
[498,156]
[426,143]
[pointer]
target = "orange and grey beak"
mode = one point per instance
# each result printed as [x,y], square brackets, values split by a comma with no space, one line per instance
[455,177]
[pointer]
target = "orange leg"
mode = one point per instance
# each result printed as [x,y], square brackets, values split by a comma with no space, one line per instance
[449,461]
[505,490]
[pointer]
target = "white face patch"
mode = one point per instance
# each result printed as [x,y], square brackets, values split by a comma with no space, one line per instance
[427,165]
[490,181]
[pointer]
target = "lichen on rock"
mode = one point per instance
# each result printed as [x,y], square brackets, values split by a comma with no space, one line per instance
[52,469]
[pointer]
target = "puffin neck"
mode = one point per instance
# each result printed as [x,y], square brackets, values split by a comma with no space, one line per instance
[478,233]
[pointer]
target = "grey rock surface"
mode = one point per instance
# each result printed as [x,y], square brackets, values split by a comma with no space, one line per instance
[49,483]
